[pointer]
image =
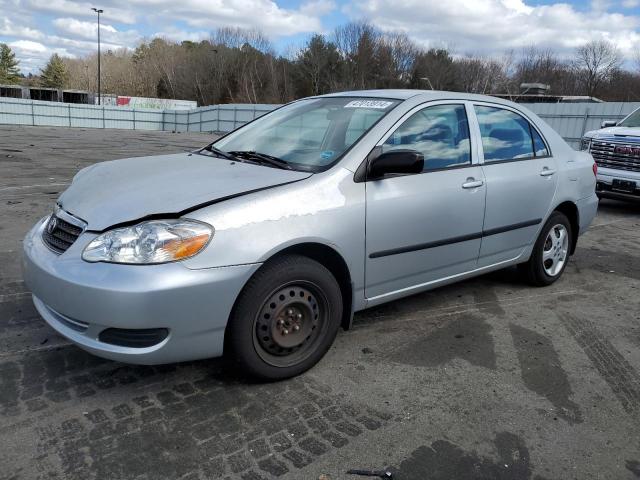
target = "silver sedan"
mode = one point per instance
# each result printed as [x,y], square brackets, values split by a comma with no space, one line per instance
[263,244]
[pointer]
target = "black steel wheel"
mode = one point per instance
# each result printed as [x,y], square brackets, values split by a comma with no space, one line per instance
[285,319]
[290,323]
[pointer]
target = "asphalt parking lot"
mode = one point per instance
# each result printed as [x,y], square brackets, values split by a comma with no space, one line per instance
[488,378]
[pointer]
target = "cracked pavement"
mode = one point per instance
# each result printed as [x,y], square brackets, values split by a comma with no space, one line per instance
[488,378]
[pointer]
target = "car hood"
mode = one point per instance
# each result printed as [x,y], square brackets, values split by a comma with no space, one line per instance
[611,132]
[120,191]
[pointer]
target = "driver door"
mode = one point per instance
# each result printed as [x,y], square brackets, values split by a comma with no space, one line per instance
[424,227]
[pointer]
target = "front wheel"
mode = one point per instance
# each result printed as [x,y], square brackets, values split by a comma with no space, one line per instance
[285,319]
[550,252]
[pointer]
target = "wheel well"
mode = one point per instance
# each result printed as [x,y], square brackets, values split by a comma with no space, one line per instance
[571,211]
[332,260]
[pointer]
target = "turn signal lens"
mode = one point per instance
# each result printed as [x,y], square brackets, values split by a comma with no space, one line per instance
[156,241]
[595,169]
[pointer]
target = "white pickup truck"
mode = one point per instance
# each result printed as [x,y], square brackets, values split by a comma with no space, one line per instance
[616,150]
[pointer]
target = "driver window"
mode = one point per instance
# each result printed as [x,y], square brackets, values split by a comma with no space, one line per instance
[440,133]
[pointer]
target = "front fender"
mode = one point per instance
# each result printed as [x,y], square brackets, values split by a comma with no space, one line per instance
[327,208]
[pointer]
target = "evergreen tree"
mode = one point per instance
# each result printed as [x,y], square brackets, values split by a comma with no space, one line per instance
[54,75]
[9,71]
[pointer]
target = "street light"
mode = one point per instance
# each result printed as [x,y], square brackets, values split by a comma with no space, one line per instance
[426,79]
[98,11]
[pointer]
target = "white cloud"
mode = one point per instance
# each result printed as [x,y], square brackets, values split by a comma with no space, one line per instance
[28,46]
[71,27]
[81,46]
[490,26]
[34,55]
[630,3]
[318,7]
[81,9]
[10,29]
[265,15]
[82,29]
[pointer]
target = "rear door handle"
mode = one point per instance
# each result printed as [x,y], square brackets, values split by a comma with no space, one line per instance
[546,172]
[472,183]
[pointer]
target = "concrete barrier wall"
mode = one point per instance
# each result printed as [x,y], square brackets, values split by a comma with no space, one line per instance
[215,118]
[570,120]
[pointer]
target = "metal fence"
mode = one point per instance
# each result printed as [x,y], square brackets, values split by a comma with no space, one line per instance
[215,118]
[573,120]
[570,120]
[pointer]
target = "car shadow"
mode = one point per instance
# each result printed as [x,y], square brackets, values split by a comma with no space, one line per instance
[620,207]
[482,289]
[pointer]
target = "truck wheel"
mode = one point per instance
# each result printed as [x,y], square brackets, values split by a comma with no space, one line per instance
[550,252]
[285,318]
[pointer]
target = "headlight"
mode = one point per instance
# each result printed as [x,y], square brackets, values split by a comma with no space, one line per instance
[585,143]
[156,241]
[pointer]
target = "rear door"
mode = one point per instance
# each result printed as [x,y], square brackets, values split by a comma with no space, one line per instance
[424,227]
[521,180]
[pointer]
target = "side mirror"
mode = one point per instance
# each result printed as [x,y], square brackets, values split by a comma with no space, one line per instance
[395,161]
[608,123]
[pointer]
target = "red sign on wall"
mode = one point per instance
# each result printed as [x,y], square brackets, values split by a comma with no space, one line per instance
[123,101]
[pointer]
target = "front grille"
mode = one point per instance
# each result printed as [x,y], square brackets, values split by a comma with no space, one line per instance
[134,338]
[618,156]
[59,234]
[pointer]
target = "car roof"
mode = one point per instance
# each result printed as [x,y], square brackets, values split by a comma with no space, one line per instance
[427,95]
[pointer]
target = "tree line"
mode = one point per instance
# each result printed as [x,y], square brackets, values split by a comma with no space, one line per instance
[242,66]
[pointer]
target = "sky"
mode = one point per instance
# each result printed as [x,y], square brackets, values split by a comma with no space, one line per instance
[35,29]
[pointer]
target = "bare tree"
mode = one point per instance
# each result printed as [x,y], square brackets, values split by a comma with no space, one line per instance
[358,43]
[403,52]
[318,64]
[236,65]
[596,61]
[434,69]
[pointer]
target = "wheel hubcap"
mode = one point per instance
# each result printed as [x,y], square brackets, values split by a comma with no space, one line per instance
[288,321]
[554,252]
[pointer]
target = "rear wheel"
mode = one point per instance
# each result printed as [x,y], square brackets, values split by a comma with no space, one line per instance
[285,319]
[550,252]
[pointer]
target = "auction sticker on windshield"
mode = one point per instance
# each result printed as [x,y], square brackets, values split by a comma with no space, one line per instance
[368,104]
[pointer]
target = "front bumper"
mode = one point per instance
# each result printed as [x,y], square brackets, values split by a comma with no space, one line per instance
[605,179]
[80,300]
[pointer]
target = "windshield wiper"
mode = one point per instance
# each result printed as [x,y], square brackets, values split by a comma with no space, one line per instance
[221,153]
[262,158]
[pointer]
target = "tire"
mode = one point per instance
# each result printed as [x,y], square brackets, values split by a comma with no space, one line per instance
[549,257]
[285,319]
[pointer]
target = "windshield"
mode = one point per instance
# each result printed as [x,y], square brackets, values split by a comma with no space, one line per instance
[632,120]
[310,134]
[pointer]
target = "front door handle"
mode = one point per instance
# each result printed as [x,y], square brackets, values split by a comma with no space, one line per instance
[472,183]
[546,172]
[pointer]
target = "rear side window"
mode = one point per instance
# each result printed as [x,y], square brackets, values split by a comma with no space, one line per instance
[440,133]
[506,135]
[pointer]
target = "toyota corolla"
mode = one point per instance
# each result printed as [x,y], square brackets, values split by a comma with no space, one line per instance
[263,244]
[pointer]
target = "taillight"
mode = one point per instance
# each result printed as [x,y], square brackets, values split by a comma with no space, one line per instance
[595,169]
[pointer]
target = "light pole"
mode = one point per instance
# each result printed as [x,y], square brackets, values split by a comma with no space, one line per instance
[98,11]
[426,79]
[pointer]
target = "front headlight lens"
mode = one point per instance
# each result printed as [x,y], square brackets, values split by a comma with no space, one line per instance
[585,143]
[155,241]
